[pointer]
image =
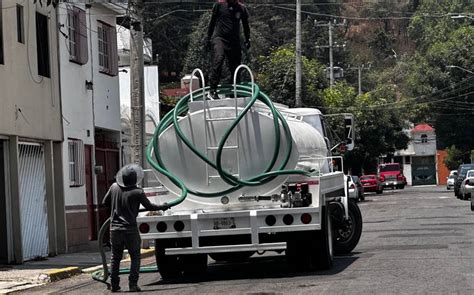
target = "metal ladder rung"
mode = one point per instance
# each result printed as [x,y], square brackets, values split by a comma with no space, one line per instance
[218,176]
[226,147]
[220,119]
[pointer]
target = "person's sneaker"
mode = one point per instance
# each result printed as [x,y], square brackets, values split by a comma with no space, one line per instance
[213,95]
[134,288]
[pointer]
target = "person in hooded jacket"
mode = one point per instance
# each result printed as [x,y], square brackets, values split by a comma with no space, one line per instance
[124,199]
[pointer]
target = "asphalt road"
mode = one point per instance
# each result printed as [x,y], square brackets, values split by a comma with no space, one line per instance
[418,240]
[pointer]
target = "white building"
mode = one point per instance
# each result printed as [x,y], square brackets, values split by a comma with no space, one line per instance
[151,91]
[419,159]
[31,197]
[91,114]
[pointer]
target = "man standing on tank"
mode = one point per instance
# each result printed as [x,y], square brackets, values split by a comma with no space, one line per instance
[225,26]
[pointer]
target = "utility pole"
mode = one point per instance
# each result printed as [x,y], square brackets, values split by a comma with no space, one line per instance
[298,55]
[137,83]
[359,69]
[331,59]
[331,45]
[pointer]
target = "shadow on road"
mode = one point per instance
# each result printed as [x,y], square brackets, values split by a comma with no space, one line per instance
[269,267]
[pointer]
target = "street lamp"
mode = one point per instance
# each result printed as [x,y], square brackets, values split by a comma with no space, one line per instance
[458,67]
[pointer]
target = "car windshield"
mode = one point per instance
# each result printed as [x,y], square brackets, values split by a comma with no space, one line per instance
[385,168]
[464,169]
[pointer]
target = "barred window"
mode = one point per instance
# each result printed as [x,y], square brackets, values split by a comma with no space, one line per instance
[76,162]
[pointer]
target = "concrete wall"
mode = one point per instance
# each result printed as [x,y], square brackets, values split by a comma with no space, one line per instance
[31,104]
[424,148]
[106,88]
[85,110]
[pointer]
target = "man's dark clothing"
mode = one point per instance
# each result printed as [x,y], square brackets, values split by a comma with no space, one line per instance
[225,25]
[120,240]
[125,203]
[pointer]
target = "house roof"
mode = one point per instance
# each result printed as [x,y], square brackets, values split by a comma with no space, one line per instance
[422,128]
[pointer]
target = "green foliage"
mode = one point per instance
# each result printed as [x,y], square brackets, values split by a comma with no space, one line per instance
[379,126]
[277,77]
[454,158]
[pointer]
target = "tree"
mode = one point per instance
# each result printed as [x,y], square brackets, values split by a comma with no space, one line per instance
[379,126]
[276,75]
[454,158]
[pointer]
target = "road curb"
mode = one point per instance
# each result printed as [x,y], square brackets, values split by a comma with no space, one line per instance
[61,273]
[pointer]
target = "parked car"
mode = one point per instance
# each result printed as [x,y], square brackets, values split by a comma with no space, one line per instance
[371,183]
[462,170]
[356,190]
[467,185]
[450,181]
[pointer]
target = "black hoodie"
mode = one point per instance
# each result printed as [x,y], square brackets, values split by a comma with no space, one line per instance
[124,203]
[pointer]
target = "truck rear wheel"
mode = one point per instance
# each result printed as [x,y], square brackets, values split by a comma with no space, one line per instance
[169,266]
[312,249]
[346,233]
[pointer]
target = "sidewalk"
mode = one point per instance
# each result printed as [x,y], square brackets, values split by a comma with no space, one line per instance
[36,273]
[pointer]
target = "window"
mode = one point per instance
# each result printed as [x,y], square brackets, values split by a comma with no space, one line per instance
[407,160]
[77,35]
[108,58]
[42,45]
[76,162]
[424,138]
[20,28]
[1,34]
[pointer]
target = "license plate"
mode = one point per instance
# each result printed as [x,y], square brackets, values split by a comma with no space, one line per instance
[224,223]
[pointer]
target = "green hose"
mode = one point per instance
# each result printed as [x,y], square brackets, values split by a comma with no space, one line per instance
[103,274]
[181,108]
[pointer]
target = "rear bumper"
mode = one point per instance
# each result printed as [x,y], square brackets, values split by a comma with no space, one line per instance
[252,225]
[393,183]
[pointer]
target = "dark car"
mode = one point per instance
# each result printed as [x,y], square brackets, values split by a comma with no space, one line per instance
[462,170]
[371,183]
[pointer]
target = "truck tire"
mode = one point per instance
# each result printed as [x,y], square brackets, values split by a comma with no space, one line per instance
[311,250]
[169,266]
[194,264]
[231,256]
[346,234]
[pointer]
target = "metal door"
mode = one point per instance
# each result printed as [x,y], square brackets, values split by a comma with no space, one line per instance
[423,170]
[33,209]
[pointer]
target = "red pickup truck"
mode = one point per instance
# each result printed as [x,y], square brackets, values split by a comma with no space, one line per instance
[391,175]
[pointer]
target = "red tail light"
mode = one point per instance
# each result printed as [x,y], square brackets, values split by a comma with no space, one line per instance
[306,218]
[144,228]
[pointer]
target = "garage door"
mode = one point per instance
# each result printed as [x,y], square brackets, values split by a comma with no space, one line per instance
[33,210]
[423,170]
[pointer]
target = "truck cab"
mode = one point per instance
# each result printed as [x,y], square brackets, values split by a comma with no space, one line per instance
[391,175]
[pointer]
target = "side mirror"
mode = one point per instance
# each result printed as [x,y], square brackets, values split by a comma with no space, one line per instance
[349,131]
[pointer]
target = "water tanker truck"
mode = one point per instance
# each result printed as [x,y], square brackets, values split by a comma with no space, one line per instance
[243,176]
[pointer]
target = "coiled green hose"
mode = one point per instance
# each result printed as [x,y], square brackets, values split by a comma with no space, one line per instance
[181,108]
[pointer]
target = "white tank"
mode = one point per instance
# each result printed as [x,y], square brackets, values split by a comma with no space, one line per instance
[248,151]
